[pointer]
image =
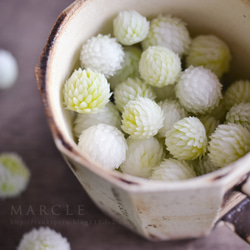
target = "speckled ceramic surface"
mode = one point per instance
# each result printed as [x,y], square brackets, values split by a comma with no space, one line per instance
[157,211]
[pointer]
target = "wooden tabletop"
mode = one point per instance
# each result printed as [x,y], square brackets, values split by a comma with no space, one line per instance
[54,197]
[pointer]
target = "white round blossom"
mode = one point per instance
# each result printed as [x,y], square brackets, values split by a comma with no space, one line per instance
[187,139]
[173,112]
[237,92]
[43,238]
[239,114]
[210,123]
[142,118]
[198,90]
[130,66]
[170,32]
[142,156]
[171,170]
[159,66]
[105,144]
[8,69]
[14,175]
[228,143]
[130,89]
[103,54]
[211,52]
[130,27]
[109,114]
[86,91]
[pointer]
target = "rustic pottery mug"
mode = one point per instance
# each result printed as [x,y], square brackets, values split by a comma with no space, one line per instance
[155,210]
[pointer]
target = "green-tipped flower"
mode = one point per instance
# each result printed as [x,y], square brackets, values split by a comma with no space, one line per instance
[239,114]
[170,32]
[173,112]
[142,118]
[142,157]
[8,69]
[210,123]
[159,66]
[86,91]
[238,92]
[211,52]
[187,139]
[14,175]
[171,170]
[102,54]
[130,67]
[130,27]
[198,90]
[109,114]
[204,165]
[105,144]
[130,89]
[43,238]
[228,143]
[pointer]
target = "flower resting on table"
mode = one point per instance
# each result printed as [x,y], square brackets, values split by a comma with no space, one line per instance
[86,91]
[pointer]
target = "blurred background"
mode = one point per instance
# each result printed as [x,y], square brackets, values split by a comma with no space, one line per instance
[54,198]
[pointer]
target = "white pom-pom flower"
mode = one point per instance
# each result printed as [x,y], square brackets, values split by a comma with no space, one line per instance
[228,143]
[211,52]
[142,118]
[86,91]
[170,32]
[130,89]
[105,144]
[142,157]
[198,90]
[130,67]
[171,170]
[14,175]
[238,92]
[239,114]
[204,165]
[173,112]
[109,114]
[130,27]
[8,69]
[43,238]
[187,139]
[159,66]
[210,123]
[166,92]
[103,54]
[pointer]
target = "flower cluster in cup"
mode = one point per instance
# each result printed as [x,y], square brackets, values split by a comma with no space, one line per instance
[169,119]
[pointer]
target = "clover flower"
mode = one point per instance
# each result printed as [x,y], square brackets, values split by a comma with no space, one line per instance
[204,165]
[8,69]
[228,143]
[187,139]
[130,89]
[103,54]
[239,114]
[210,123]
[211,52]
[105,144]
[166,92]
[159,66]
[14,175]
[142,118]
[109,114]
[43,238]
[86,91]
[142,156]
[198,90]
[130,67]
[238,92]
[170,32]
[173,112]
[171,170]
[130,27]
